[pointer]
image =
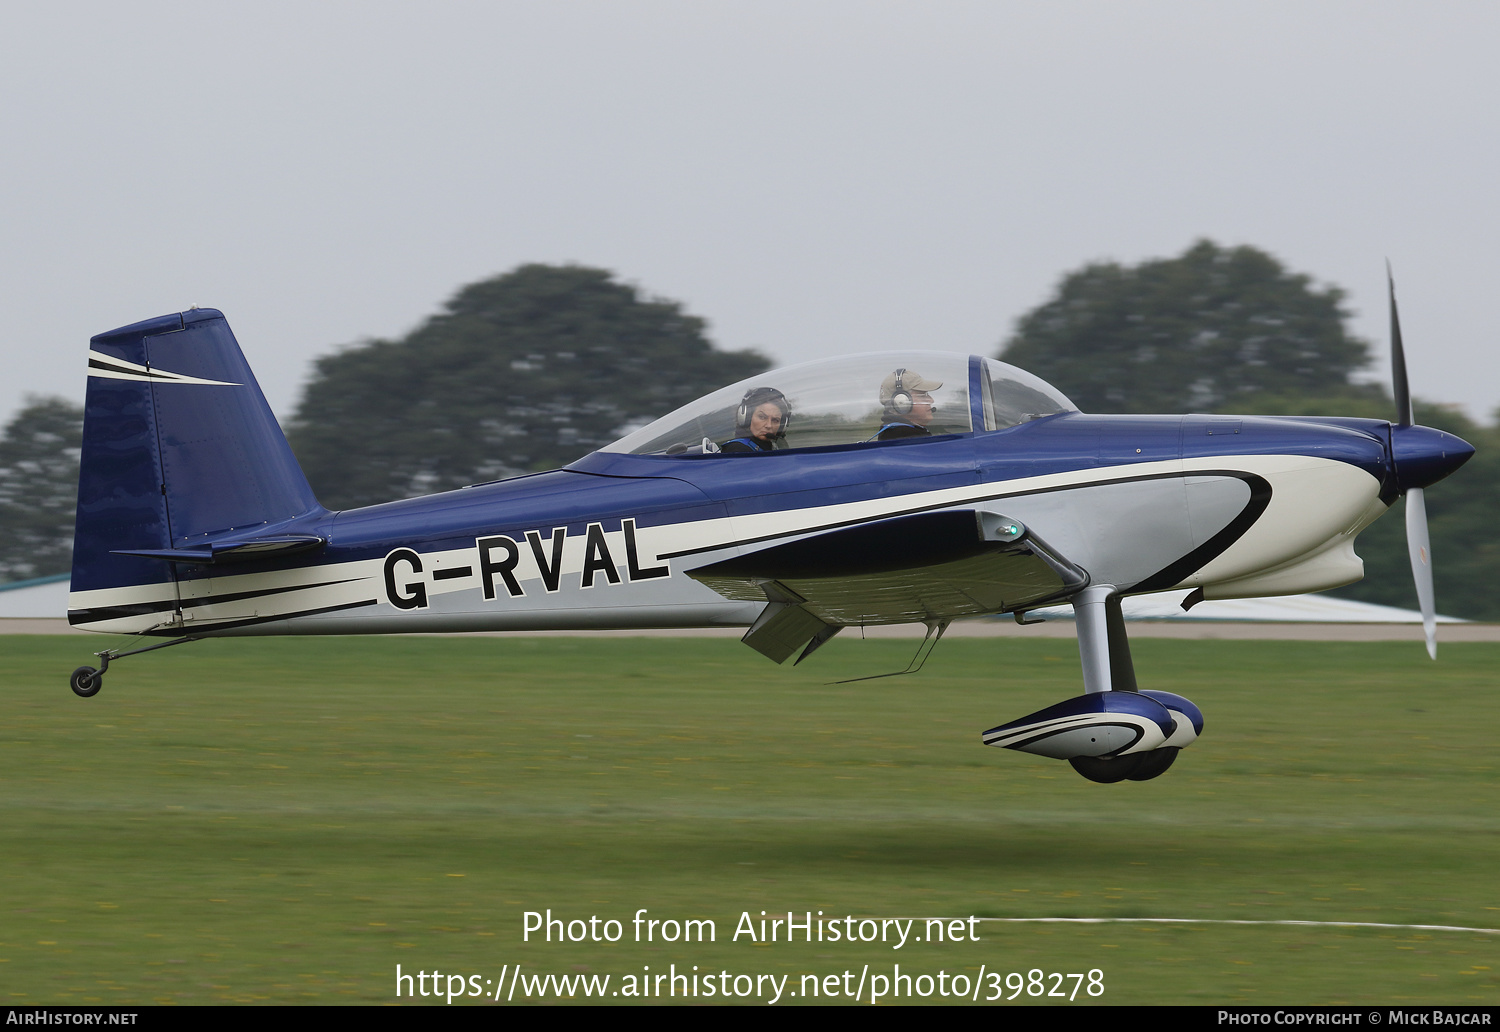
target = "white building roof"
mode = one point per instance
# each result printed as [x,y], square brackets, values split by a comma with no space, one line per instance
[42,598]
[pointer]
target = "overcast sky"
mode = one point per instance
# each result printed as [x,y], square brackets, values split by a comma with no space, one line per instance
[814,178]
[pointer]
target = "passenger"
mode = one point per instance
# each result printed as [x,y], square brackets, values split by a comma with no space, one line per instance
[760,421]
[906,405]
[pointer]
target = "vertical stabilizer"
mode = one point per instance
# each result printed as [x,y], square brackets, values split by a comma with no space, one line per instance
[179,449]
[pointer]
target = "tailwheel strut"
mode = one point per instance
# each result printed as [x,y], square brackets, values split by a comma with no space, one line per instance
[86,680]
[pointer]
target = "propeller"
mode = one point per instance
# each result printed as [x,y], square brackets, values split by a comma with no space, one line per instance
[1418,544]
[1398,359]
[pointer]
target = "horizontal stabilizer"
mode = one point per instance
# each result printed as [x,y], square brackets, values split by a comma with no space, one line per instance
[237,551]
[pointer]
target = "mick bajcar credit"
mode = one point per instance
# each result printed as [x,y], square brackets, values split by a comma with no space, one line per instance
[1362,1017]
[664,982]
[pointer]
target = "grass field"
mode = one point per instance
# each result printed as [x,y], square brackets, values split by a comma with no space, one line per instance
[288,820]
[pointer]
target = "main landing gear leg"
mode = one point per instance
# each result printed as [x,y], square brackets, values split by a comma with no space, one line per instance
[86,680]
[1105,653]
[1114,731]
[1098,729]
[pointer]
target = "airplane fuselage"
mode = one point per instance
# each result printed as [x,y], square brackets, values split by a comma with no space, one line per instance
[1238,506]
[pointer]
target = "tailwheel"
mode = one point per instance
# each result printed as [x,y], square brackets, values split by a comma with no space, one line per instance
[1106,770]
[86,682]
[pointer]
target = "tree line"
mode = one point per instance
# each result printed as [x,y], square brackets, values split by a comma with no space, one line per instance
[534,368]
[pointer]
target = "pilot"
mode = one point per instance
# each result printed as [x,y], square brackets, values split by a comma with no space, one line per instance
[760,421]
[906,405]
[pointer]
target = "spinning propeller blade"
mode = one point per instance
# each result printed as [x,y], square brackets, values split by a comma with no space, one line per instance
[1420,550]
[1418,544]
[1398,360]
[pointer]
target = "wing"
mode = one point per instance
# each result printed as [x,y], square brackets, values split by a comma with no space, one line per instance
[930,567]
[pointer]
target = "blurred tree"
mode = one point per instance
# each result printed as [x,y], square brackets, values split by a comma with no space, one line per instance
[1187,334]
[526,371]
[39,488]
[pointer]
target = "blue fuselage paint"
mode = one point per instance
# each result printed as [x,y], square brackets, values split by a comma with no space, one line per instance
[605,488]
[658,490]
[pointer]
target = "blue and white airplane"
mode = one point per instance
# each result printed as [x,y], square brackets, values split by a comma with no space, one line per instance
[880,489]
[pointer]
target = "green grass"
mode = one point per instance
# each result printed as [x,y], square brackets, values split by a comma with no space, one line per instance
[287,820]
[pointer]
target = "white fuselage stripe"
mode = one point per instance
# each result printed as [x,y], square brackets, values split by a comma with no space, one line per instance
[706,540]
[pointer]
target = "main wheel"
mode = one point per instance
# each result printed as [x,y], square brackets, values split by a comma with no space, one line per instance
[86,682]
[1155,763]
[1108,770]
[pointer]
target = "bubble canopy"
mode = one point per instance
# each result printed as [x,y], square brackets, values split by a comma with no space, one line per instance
[854,399]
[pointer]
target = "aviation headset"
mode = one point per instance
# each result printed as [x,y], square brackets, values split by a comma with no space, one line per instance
[900,402]
[754,398]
